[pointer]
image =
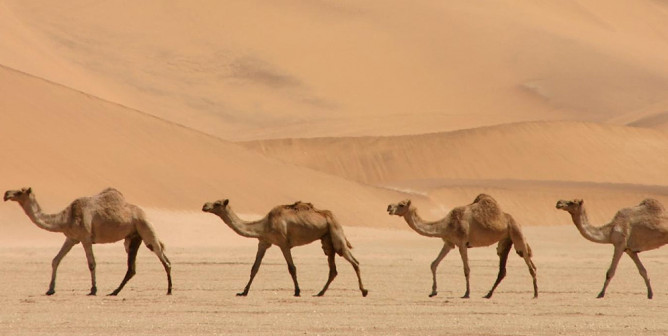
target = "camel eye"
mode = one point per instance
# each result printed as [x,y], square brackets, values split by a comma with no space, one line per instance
[217,203]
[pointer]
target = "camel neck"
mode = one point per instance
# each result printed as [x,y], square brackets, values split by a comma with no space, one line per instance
[241,227]
[591,233]
[43,221]
[429,229]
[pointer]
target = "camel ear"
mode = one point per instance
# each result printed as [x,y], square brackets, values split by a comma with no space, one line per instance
[27,190]
[406,202]
[226,202]
[579,201]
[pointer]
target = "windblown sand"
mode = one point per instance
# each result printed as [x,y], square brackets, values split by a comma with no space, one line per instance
[350,105]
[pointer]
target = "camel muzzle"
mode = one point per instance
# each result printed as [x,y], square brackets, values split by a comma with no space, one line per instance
[6,198]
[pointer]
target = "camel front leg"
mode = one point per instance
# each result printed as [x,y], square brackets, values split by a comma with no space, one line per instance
[434,265]
[642,270]
[463,251]
[133,247]
[617,254]
[261,249]
[502,250]
[67,246]
[88,247]
[291,267]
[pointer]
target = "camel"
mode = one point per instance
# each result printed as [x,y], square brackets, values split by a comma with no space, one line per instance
[287,226]
[632,230]
[478,224]
[99,219]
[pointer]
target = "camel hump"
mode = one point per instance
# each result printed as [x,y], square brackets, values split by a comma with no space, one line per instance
[483,197]
[652,205]
[486,209]
[300,206]
[111,190]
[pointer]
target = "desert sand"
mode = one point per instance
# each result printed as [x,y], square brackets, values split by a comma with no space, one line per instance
[350,105]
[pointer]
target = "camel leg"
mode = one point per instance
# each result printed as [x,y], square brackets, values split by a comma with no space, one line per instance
[168,269]
[356,266]
[261,249]
[502,250]
[332,272]
[532,271]
[611,271]
[643,272]
[133,247]
[88,248]
[434,265]
[524,250]
[67,246]
[463,251]
[291,267]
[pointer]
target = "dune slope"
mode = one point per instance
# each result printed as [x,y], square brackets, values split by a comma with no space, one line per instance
[65,144]
[258,70]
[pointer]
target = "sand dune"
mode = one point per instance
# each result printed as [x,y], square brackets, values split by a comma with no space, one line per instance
[536,151]
[258,70]
[66,144]
[526,166]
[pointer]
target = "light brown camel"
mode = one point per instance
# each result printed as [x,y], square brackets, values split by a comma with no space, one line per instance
[103,218]
[632,230]
[480,223]
[288,226]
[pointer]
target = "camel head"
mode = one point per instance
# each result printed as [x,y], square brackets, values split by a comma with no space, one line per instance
[215,206]
[399,209]
[18,195]
[572,206]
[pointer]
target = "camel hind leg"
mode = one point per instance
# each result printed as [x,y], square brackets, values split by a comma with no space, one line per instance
[524,250]
[502,249]
[342,247]
[346,254]
[147,234]
[328,248]
[642,270]
[132,247]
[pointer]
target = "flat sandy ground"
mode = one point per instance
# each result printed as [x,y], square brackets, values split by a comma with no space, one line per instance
[395,266]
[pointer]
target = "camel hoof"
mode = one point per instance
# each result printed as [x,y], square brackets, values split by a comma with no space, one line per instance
[600,296]
[50,292]
[433,294]
[466,296]
[242,294]
[365,293]
[488,296]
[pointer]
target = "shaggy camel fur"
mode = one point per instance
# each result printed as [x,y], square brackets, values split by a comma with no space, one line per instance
[632,230]
[288,226]
[103,218]
[480,223]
